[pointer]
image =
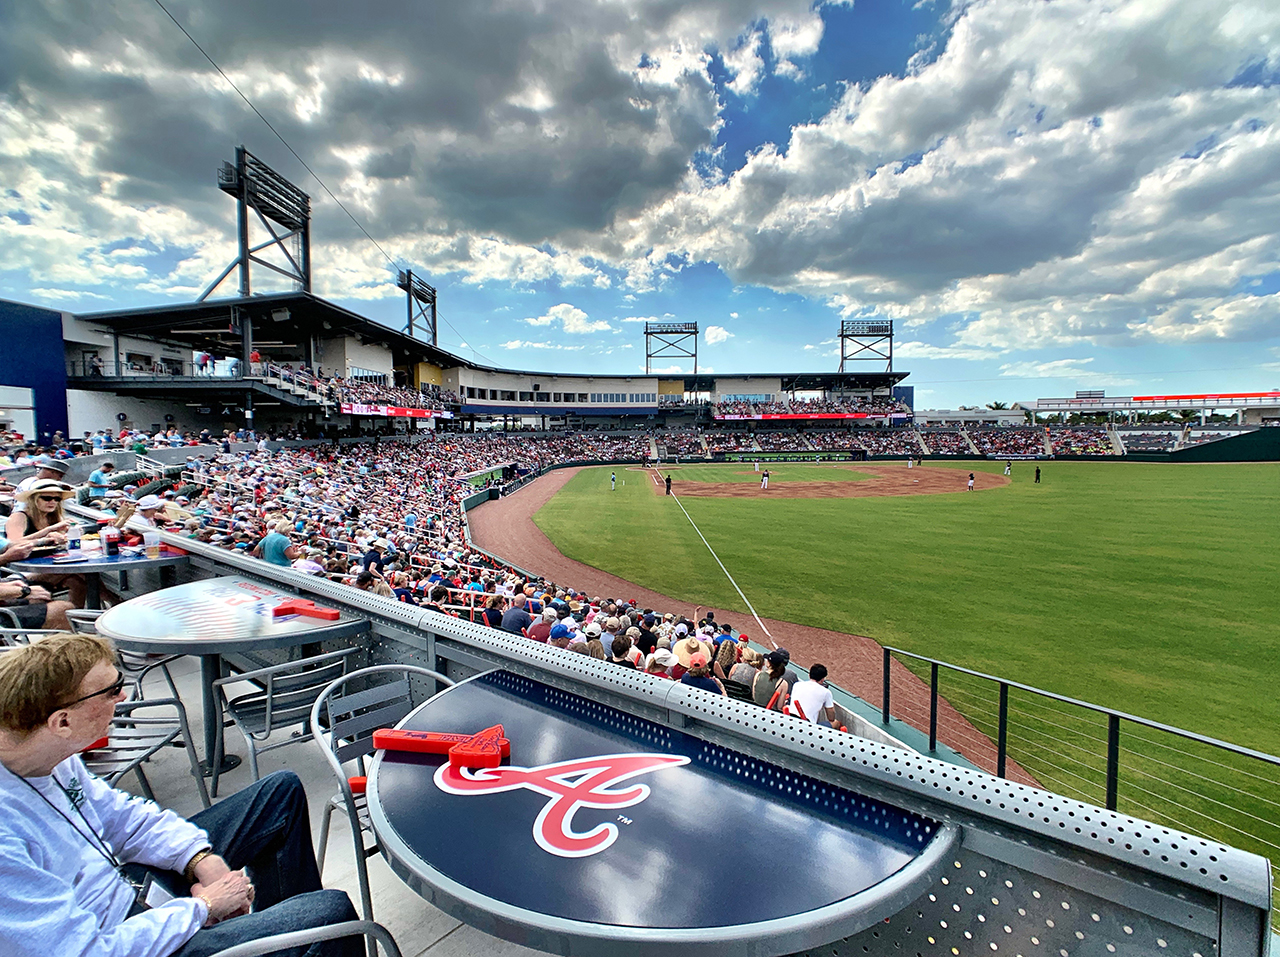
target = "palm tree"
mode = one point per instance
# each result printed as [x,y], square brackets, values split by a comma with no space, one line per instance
[997,406]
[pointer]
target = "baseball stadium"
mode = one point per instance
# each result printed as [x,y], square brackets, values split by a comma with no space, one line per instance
[1000,676]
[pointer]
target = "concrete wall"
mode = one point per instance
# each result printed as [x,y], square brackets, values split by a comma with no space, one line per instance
[89,411]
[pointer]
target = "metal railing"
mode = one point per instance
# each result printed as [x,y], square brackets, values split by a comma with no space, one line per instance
[1125,763]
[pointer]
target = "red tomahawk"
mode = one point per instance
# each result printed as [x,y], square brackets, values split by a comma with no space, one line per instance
[483,750]
[300,606]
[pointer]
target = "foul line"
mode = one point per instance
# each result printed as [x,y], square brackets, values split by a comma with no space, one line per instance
[750,607]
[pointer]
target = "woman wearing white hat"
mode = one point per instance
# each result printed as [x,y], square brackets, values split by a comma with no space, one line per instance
[42,523]
[42,520]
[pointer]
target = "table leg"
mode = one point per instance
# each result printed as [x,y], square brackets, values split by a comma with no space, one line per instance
[92,590]
[211,671]
[168,576]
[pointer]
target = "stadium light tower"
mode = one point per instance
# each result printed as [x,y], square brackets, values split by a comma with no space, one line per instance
[421,301]
[665,340]
[866,340]
[256,186]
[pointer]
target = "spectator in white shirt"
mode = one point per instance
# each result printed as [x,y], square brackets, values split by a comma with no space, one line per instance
[812,699]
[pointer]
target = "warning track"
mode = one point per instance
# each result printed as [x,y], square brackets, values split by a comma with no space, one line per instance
[505,527]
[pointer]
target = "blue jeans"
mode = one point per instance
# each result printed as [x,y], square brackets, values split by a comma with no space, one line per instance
[266,828]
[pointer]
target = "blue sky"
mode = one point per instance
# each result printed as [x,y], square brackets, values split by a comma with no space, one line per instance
[1044,197]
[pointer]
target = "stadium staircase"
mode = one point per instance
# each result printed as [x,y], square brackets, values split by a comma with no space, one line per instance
[1116,442]
[755,445]
[1048,443]
[653,448]
[969,441]
[920,441]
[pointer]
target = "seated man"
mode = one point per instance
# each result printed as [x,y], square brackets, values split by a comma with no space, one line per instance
[76,854]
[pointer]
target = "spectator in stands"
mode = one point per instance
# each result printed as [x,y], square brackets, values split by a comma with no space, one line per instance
[516,619]
[812,699]
[276,547]
[769,688]
[698,675]
[374,559]
[493,607]
[49,471]
[100,480]
[621,647]
[659,663]
[540,630]
[68,835]
[744,672]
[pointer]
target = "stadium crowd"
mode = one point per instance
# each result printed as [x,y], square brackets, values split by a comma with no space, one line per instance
[1009,441]
[1081,442]
[947,443]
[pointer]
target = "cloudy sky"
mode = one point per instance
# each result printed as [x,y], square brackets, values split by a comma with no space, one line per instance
[1045,196]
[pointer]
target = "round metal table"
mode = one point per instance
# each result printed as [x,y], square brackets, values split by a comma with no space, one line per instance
[211,618]
[92,564]
[606,833]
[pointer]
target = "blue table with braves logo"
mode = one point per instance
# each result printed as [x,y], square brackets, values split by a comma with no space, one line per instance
[607,833]
[211,618]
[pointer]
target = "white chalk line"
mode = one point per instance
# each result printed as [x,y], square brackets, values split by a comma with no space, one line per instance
[747,601]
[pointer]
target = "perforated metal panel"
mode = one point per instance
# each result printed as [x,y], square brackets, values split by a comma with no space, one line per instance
[981,906]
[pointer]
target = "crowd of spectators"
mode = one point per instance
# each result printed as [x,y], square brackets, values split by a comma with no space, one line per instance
[783,442]
[1081,441]
[832,440]
[888,441]
[735,408]
[947,443]
[730,442]
[1009,441]
[680,444]
[869,405]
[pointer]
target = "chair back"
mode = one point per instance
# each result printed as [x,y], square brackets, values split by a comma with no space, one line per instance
[286,692]
[352,717]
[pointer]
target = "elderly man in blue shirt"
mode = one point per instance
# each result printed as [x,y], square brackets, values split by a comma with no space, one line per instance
[86,869]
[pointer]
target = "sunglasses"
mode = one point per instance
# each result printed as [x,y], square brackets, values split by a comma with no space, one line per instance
[112,689]
[48,498]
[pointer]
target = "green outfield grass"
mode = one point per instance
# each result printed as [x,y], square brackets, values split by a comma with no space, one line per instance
[1145,587]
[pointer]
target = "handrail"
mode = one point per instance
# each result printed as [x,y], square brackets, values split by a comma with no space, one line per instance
[1100,709]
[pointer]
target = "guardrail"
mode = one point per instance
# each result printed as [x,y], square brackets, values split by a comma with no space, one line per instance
[1207,787]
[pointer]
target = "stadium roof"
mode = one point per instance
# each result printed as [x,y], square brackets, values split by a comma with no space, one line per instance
[277,317]
[287,317]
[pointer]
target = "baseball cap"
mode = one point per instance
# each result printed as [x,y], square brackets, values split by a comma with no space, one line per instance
[148,501]
[549,615]
[698,660]
[593,630]
[559,631]
[776,658]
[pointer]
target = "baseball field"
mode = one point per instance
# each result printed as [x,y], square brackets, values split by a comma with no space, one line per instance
[1148,588]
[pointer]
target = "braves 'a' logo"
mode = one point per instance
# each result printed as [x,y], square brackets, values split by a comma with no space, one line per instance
[584,782]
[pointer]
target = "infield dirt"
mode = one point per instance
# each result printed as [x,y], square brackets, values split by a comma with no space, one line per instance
[885,480]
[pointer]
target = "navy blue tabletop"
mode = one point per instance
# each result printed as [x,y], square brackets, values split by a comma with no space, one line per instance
[602,817]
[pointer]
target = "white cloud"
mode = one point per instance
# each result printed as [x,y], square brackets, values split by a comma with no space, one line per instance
[745,64]
[1062,369]
[922,350]
[733,315]
[716,334]
[572,320]
[525,344]
[1036,180]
